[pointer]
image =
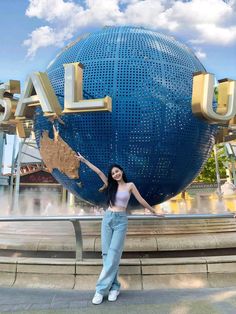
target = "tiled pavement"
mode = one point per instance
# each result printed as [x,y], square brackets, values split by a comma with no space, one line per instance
[168,301]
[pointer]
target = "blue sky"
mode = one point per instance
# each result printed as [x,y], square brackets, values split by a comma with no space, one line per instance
[34,31]
[15,28]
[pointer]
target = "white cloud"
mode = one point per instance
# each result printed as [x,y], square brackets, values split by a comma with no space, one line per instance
[199,53]
[43,37]
[201,21]
[232,3]
[137,12]
[52,10]
[213,34]
[197,12]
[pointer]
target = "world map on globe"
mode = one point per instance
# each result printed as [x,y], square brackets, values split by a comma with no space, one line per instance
[151,131]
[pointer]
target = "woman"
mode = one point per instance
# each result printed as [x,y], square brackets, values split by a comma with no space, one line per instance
[114,227]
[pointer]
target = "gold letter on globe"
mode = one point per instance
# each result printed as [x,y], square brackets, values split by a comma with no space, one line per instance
[202,99]
[38,91]
[73,92]
[7,103]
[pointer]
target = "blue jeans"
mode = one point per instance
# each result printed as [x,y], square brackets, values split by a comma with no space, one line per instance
[114,227]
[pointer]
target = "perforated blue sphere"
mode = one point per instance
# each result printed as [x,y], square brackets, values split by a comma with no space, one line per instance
[151,131]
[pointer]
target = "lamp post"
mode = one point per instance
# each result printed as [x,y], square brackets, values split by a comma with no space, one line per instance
[219,190]
[3,179]
[15,199]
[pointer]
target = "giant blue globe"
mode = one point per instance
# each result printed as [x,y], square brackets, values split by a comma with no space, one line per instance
[151,131]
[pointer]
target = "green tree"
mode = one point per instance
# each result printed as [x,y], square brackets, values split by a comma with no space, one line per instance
[216,92]
[208,173]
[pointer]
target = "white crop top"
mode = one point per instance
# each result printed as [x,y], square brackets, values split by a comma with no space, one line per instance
[122,198]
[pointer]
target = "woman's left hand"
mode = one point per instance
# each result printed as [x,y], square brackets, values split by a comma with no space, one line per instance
[153,212]
[159,215]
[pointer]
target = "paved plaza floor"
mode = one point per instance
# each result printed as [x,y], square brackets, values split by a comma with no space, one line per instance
[168,301]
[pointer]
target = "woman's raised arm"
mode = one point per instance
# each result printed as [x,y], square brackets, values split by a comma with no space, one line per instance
[142,201]
[94,168]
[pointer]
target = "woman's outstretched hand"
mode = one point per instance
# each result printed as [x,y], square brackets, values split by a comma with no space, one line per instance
[159,215]
[80,157]
[153,212]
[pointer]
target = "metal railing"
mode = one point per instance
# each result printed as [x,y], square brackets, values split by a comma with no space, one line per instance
[75,220]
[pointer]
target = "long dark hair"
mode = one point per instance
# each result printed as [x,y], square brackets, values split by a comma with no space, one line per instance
[113,185]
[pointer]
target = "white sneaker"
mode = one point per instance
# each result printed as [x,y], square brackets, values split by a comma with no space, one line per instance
[98,298]
[113,294]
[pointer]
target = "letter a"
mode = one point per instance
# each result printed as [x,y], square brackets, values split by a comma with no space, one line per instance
[38,91]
